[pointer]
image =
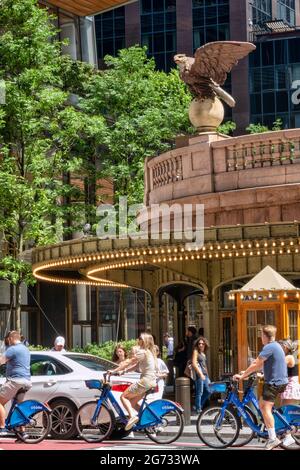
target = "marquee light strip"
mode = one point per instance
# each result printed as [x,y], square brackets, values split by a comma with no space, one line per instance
[155,256]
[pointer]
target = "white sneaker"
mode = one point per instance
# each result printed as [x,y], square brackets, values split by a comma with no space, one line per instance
[131,435]
[272,443]
[131,422]
[288,440]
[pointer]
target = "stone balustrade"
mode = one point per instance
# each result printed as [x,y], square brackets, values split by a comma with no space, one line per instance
[246,179]
[211,163]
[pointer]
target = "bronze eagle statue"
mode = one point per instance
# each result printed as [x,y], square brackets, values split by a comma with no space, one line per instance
[208,70]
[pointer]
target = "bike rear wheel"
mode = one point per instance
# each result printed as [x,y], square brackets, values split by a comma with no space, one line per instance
[37,429]
[169,429]
[214,433]
[94,431]
[296,444]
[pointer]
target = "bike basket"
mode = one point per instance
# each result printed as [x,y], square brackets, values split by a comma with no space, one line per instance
[94,384]
[218,387]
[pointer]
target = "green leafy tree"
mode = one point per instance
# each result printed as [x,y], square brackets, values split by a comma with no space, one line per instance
[43,139]
[144,110]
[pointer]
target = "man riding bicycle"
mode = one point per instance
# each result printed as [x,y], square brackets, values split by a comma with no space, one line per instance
[18,378]
[272,360]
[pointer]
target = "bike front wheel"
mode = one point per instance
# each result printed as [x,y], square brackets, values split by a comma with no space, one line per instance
[217,432]
[246,433]
[37,429]
[100,428]
[168,430]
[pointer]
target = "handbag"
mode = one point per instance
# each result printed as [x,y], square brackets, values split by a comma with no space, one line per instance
[189,371]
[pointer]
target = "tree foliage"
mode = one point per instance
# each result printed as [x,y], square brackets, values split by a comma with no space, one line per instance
[43,138]
[260,128]
[144,110]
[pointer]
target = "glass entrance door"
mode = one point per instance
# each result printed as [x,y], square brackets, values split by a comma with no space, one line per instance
[226,352]
[256,319]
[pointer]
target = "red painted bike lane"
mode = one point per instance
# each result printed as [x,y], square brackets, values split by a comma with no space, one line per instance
[10,444]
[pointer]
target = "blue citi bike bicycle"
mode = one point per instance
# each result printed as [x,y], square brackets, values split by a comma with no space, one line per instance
[234,423]
[30,420]
[161,420]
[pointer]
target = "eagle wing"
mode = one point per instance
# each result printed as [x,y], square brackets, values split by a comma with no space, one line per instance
[215,59]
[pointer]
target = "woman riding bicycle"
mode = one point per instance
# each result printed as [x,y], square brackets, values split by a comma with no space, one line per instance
[144,356]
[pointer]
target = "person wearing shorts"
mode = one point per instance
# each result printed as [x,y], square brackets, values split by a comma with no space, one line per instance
[291,395]
[18,378]
[143,357]
[272,360]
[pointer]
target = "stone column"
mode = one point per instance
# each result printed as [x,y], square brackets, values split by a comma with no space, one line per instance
[184,19]
[132,24]
[81,297]
[239,17]
[297,8]
[274,9]
[88,40]
[181,323]
[68,31]
[211,332]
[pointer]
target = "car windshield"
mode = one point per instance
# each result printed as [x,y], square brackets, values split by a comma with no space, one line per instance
[92,363]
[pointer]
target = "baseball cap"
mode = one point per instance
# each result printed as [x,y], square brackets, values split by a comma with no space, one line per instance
[59,341]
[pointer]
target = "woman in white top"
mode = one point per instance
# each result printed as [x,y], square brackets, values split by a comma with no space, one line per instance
[145,358]
[161,374]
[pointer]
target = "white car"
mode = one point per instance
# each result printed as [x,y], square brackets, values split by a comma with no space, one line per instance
[59,379]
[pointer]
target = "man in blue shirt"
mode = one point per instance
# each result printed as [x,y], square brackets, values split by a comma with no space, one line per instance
[18,378]
[272,360]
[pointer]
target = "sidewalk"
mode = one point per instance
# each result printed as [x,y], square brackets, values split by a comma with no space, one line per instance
[190,430]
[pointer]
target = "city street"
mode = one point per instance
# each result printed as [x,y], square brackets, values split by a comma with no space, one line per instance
[138,443]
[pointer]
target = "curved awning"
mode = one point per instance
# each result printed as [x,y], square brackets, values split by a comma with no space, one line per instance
[93,261]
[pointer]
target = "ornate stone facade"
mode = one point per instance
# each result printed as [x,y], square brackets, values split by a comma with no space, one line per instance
[250,187]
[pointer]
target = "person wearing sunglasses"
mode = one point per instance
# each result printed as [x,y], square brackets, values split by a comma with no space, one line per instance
[202,381]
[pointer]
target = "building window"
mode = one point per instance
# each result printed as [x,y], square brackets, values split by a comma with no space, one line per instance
[210,21]
[293,324]
[274,74]
[110,32]
[158,31]
[256,319]
[286,11]
[261,11]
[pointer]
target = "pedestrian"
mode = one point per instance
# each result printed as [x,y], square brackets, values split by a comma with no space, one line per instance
[190,339]
[272,360]
[291,394]
[180,359]
[24,341]
[119,354]
[169,343]
[202,380]
[161,374]
[59,344]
